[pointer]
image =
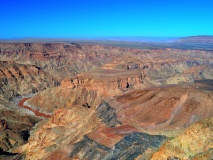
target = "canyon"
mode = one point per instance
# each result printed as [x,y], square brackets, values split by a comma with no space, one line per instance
[63,100]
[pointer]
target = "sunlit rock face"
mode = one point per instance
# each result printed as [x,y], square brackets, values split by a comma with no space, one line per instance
[65,59]
[194,143]
[15,128]
[118,124]
[88,88]
[20,79]
[160,108]
[129,147]
[78,133]
[104,102]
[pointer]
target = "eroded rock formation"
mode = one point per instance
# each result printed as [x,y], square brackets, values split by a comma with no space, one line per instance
[194,143]
[105,102]
[19,79]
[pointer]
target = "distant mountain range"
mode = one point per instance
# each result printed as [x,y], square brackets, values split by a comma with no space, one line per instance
[140,39]
[191,39]
[108,38]
[140,42]
[197,39]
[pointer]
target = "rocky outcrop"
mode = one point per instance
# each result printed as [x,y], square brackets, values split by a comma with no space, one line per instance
[65,59]
[90,149]
[106,79]
[19,79]
[191,75]
[54,98]
[159,109]
[3,125]
[194,143]
[107,114]
[130,147]
[59,59]
[96,111]
[88,88]
[97,131]
[15,128]
[80,120]
[67,126]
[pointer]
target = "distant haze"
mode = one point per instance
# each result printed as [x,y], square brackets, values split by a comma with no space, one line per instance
[142,39]
[81,39]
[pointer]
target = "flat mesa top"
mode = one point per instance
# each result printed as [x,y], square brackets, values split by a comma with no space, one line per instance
[109,73]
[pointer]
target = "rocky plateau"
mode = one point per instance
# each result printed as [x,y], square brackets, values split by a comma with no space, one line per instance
[79,101]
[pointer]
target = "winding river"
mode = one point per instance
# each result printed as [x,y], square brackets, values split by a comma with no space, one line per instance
[36,112]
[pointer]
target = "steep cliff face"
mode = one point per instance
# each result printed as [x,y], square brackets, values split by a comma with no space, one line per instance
[32,67]
[65,59]
[102,108]
[18,79]
[106,79]
[160,110]
[77,133]
[15,128]
[59,59]
[115,129]
[194,143]
[66,127]
[88,88]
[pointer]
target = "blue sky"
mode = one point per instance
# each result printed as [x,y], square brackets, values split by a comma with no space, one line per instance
[99,18]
